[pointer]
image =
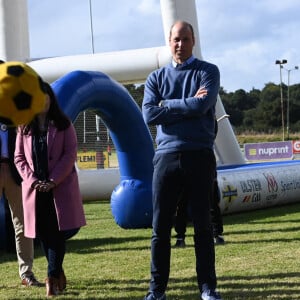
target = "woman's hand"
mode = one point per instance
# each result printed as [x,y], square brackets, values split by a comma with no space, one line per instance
[44,186]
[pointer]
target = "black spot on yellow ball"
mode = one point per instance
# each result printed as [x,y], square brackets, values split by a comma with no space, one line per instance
[16,71]
[22,100]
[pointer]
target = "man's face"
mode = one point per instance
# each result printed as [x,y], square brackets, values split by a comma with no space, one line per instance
[181,42]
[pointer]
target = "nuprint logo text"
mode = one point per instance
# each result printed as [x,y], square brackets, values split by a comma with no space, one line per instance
[273,150]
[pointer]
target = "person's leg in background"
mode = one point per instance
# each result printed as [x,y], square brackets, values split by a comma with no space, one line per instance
[216,215]
[24,245]
[180,221]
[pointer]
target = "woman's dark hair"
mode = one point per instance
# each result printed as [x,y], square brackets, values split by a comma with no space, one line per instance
[54,114]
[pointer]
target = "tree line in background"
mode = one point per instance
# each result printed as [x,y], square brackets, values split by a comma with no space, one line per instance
[256,111]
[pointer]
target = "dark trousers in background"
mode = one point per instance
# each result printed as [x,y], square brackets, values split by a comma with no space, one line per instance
[216,215]
[181,218]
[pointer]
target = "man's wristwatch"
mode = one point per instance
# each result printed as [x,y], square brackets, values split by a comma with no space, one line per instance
[161,103]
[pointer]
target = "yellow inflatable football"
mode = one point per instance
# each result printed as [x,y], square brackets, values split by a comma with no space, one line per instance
[22,94]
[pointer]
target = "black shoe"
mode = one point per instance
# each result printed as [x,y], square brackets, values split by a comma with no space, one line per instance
[180,243]
[219,240]
[155,296]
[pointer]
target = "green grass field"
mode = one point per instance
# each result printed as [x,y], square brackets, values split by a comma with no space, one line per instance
[260,260]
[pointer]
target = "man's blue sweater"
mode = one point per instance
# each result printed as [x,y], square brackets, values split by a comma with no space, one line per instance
[184,122]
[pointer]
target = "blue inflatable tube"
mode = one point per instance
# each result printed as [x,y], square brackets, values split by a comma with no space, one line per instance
[131,200]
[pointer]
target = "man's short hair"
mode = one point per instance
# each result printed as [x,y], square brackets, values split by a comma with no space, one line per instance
[187,24]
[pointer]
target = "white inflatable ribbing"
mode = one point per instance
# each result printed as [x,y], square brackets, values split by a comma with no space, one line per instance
[129,66]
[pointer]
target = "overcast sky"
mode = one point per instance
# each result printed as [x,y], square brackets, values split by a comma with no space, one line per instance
[244,38]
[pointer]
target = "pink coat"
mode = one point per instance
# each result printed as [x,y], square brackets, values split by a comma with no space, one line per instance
[62,151]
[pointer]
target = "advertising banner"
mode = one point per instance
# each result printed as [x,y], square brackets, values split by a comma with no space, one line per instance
[296,147]
[269,151]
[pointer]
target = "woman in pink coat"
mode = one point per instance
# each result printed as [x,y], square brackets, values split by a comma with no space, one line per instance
[45,157]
